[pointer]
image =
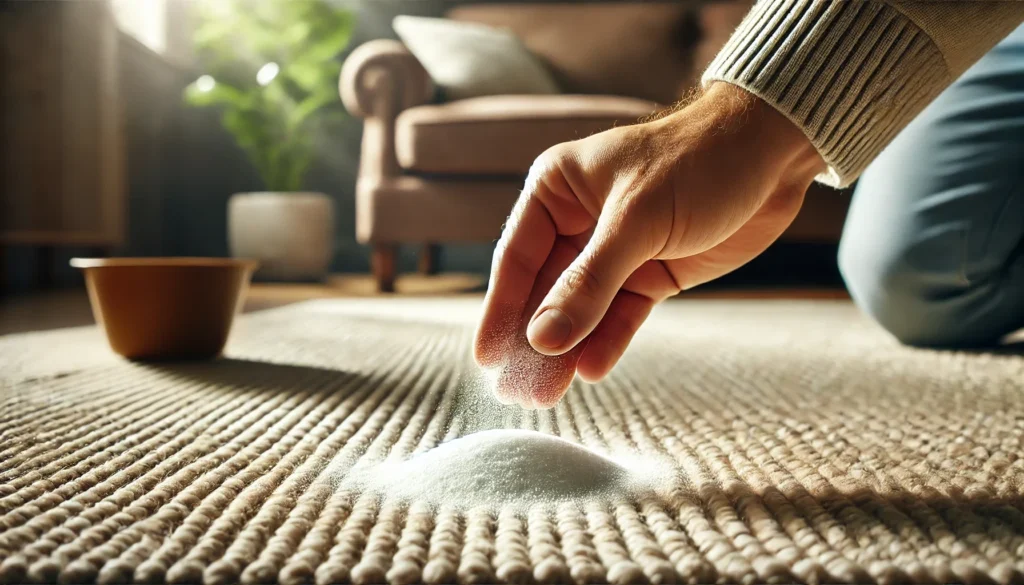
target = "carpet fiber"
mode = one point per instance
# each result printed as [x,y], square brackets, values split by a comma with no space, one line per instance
[809,447]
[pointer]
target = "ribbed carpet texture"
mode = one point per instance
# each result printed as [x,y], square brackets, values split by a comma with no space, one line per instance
[807,446]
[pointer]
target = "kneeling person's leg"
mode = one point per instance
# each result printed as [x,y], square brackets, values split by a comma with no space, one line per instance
[933,246]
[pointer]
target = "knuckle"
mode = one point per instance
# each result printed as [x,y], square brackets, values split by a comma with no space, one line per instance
[542,163]
[622,210]
[511,257]
[554,153]
[517,259]
[551,159]
[579,280]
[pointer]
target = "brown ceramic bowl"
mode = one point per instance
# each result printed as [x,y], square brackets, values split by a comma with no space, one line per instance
[166,308]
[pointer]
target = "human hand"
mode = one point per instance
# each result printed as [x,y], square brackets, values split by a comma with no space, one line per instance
[612,224]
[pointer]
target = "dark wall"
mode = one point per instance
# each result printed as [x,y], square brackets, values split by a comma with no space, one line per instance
[183,166]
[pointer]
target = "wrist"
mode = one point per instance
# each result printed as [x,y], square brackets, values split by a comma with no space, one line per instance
[763,137]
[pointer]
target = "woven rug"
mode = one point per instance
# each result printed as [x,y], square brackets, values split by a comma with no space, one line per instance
[809,447]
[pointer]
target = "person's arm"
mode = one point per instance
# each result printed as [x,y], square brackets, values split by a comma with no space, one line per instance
[609,225]
[852,73]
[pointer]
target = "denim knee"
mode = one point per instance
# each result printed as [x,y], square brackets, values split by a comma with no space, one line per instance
[919,306]
[933,247]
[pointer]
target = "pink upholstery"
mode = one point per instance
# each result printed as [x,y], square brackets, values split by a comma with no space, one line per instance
[376,63]
[502,135]
[415,210]
[451,172]
[618,59]
[639,49]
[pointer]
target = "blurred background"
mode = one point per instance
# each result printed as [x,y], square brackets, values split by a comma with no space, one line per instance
[129,126]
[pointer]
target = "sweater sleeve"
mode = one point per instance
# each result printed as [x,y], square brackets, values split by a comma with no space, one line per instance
[852,73]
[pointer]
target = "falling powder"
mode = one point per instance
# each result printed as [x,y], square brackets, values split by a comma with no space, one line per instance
[501,468]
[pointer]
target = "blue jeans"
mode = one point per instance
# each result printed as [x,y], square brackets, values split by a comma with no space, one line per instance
[933,247]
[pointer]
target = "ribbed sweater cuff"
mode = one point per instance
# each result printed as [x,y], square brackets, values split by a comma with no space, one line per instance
[850,74]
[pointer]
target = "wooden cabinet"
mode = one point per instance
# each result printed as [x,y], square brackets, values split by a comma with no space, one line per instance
[62,154]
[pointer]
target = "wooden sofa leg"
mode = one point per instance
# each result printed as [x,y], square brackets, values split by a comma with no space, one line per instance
[383,261]
[428,258]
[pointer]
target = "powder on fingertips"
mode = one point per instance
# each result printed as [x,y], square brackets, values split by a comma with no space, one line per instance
[517,468]
[516,367]
[523,368]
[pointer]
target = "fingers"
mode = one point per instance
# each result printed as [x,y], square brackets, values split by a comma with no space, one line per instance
[646,287]
[522,250]
[537,382]
[547,206]
[583,293]
[524,376]
[748,242]
[612,336]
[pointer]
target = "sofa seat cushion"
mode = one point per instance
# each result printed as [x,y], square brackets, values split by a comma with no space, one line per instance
[502,135]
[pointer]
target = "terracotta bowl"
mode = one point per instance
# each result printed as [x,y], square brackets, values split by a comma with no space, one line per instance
[166,308]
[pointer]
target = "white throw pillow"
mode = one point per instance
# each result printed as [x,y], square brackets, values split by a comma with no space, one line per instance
[471,60]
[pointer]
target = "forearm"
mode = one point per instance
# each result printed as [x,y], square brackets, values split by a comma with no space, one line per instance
[852,74]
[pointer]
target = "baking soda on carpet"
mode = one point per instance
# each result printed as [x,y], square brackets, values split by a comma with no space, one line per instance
[500,468]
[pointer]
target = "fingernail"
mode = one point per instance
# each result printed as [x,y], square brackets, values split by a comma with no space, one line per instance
[550,329]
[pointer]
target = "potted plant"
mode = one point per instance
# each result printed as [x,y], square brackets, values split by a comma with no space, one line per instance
[271,67]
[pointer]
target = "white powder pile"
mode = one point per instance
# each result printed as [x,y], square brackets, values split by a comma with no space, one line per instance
[510,468]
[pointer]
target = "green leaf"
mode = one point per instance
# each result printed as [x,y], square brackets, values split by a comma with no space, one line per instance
[275,125]
[334,117]
[306,74]
[297,173]
[332,42]
[297,34]
[212,34]
[308,107]
[220,93]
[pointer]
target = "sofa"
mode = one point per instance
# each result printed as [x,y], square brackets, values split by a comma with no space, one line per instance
[434,171]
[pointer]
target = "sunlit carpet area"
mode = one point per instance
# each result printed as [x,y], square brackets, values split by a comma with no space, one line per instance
[806,445]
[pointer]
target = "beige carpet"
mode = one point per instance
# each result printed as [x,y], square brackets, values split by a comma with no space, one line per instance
[809,447]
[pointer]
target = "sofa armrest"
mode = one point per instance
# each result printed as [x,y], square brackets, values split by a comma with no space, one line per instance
[381,78]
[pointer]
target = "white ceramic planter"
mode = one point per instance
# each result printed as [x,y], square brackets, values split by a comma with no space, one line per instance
[291,234]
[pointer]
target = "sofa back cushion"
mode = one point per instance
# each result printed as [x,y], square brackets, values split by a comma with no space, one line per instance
[644,50]
[468,59]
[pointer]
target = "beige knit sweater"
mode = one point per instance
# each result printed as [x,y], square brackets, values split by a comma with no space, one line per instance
[852,73]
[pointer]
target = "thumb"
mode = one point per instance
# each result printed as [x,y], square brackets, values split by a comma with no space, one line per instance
[581,296]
